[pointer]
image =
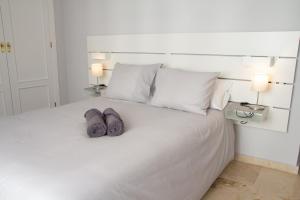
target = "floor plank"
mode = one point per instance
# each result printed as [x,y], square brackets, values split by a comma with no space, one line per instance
[241,181]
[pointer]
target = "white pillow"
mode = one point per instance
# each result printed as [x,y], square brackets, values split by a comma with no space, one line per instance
[183,90]
[221,95]
[131,82]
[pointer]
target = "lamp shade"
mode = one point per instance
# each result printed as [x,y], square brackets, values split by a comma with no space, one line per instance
[97,70]
[260,82]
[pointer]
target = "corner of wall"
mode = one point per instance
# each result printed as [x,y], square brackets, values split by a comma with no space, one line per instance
[298,162]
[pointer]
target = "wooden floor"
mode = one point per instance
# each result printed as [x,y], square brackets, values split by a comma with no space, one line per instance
[242,181]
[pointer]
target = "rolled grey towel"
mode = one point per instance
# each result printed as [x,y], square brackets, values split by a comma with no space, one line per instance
[96,126]
[115,125]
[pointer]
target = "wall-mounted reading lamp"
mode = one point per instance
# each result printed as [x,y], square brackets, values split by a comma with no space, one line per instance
[97,68]
[97,71]
[260,83]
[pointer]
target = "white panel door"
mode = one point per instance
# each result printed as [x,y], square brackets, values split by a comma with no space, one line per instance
[30,60]
[5,94]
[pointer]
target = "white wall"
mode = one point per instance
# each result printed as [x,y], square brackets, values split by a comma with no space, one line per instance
[95,17]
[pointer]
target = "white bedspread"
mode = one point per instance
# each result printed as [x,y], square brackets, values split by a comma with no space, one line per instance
[164,154]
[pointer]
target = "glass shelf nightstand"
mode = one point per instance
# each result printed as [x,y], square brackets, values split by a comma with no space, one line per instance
[245,114]
[95,90]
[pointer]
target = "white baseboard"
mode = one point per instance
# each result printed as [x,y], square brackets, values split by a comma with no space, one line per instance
[267,163]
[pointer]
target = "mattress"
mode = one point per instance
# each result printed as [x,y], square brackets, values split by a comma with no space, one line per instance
[163,155]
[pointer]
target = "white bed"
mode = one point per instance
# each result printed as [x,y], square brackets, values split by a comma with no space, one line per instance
[164,154]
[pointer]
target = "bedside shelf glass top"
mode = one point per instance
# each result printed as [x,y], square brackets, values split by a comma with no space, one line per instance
[96,89]
[237,112]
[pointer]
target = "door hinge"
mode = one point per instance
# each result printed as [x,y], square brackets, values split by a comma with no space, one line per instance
[51,45]
[55,105]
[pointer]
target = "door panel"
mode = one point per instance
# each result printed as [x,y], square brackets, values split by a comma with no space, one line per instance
[28,103]
[29,39]
[27,29]
[5,93]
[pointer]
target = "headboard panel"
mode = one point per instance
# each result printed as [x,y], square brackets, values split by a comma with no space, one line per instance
[280,44]
[237,56]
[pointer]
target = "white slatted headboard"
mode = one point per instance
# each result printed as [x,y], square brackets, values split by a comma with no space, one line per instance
[237,56]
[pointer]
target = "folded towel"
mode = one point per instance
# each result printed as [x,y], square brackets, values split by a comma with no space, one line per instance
[96,126]
[115,125]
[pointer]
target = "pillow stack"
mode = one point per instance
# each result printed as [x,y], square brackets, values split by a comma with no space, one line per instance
[176,89]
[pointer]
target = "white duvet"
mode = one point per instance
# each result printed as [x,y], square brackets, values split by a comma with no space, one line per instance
[163,155]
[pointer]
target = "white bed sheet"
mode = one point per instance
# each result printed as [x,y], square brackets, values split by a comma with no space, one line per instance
[164,154]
